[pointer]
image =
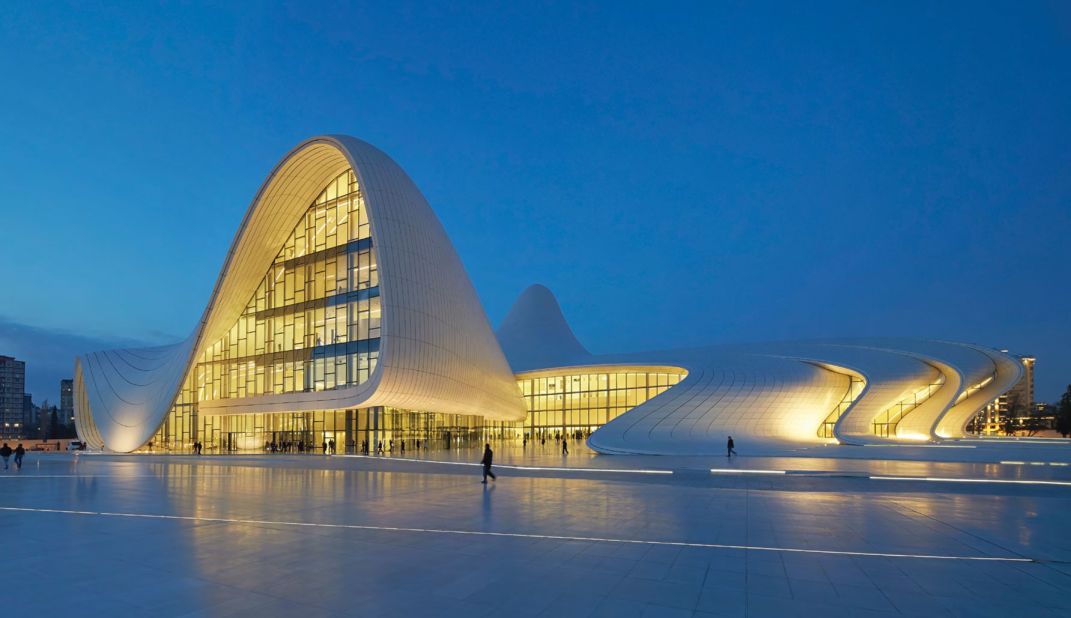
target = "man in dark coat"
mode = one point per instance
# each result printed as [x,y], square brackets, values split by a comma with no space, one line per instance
[488,457]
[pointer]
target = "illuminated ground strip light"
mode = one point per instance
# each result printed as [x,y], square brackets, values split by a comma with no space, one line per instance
[1021,440]
[938,479]
[510,467]
[519,535]
[1034,463]
[741,471]
[932,479]
[920,446]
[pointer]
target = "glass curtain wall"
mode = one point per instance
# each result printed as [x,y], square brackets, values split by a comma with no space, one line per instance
[577,404]
[313,323]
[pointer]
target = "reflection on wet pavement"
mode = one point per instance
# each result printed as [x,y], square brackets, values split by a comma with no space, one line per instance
[422,538]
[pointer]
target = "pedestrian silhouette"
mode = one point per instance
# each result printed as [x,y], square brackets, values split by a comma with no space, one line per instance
[5,452]
[565,446]
[19,454]
[488,457]
[729,447]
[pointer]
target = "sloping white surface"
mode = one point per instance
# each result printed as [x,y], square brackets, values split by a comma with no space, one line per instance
[535,334]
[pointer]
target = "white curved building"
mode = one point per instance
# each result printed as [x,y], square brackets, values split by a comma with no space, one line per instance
[343,314]
[341,291]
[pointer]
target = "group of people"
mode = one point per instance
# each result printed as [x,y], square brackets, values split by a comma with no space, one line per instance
[560,439]
[381,449]
[327,446]
[6,452]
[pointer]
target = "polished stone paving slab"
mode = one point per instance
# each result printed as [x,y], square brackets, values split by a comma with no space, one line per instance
[338,536]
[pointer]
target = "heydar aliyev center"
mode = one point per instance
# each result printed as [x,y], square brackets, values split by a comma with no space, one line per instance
[342,313]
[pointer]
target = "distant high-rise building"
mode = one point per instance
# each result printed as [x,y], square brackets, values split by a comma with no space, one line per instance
[12,397]
[1017,401]
[67,400]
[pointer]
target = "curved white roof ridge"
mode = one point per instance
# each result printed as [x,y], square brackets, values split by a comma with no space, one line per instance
[534,334]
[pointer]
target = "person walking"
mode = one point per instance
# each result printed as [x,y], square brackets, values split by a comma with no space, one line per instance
[5,453]
[565,445]
[331,446]
[19,454]
[488,457]
[730,448]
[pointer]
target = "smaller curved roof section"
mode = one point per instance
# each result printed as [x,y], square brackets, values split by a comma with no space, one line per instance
[535,335]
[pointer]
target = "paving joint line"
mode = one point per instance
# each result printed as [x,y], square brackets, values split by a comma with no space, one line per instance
[519,535]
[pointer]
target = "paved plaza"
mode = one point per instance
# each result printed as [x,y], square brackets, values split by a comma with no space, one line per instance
[828,532]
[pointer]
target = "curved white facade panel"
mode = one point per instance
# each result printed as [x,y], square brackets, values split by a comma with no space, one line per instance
[869,390]
[436,348]
[122,396]
[889,377]
[751,397]
[1006,371]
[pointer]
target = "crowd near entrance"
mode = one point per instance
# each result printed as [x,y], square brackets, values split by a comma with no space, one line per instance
[378,430]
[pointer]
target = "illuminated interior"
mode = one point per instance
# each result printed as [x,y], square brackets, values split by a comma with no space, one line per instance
[577,401]
[313,324]
[573,402]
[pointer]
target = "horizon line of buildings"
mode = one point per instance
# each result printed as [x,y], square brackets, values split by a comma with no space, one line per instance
[20,417]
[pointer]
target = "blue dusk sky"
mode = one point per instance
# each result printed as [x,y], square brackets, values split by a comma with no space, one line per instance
[678,174]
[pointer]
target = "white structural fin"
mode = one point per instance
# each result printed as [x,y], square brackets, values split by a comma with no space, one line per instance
[535,334]
[437,350]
